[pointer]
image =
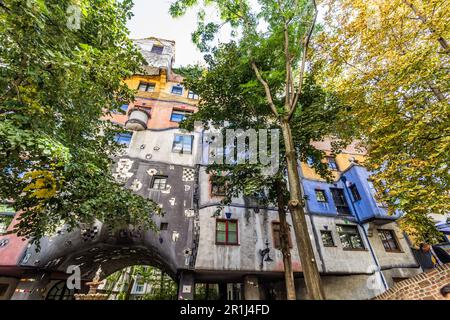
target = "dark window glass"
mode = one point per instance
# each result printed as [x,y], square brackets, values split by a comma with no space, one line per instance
[123,138]
[60,292]
[388,239]
[340,201]
[327,238]
[226,232]
[320,195]
[217,188]
[192,95]
[159,183]
[157,49]
[350,237]
[332,165]
[178,90]
[146,86]
[178,115]
[182,144]
[355,192]
[276,230]
[163,226]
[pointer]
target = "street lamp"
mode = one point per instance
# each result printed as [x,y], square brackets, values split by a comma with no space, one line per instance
[265,257]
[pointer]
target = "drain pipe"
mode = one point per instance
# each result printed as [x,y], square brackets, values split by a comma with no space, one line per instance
[344,180]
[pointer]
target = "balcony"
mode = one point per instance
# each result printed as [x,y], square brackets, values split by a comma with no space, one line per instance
[137,119]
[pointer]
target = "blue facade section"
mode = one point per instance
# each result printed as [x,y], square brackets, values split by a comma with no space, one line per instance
[363,209]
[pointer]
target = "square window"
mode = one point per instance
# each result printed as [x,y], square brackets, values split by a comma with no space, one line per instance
[139,288]
[146,86]
[157,49]
[159,183]
[340,201]
[355,193]
[163,226]
[389,240]
[182,144]
[327,238]
[276,231]
[123,138]
[320,195]
[332,165]
[227,232]
[179,115]
[192,95]
[218,188]
[350,237]
[178,90]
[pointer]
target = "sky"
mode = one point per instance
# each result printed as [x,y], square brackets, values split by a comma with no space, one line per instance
[152,18]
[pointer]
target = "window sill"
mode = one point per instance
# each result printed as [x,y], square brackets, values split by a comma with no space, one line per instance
[354,249]
[227,244]
[394,251]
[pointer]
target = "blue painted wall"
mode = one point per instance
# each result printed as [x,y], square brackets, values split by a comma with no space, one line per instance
[366,208]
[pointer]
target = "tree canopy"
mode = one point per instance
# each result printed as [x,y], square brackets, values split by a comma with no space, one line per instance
[388,60]
[274,38]
[62,65]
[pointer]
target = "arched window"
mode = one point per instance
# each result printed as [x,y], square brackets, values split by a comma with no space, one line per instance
[60,292]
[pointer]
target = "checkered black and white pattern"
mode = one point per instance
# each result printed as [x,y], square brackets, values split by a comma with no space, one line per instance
[188,174]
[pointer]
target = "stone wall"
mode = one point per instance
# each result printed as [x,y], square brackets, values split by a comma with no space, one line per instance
[425,286]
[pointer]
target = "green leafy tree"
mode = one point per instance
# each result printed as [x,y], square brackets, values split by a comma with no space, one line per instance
[61,68]
[231,98]
[284,27]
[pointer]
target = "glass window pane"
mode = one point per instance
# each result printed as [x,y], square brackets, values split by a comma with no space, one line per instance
[221,226]
[177,90]
[176,117]
[221,236]
[232,237]
[356,242]
[232,226]
[327,238]
[157,49]
[344,240]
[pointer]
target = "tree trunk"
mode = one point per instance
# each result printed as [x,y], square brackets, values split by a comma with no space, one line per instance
[285,249]
[305,250]
[130,285]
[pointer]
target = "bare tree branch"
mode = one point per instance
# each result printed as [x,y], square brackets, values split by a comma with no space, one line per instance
[266,89]
[303,62]
[425,21]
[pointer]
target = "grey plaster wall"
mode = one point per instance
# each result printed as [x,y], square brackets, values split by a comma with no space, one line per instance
[98,244]
[254,229]
[156,146]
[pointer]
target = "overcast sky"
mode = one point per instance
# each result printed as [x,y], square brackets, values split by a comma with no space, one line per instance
[152,18]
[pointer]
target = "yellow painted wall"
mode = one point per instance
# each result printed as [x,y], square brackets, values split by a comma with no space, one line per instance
[342,161]
[162,88]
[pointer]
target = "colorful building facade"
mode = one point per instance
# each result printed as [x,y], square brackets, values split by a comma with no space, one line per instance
[359,248]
